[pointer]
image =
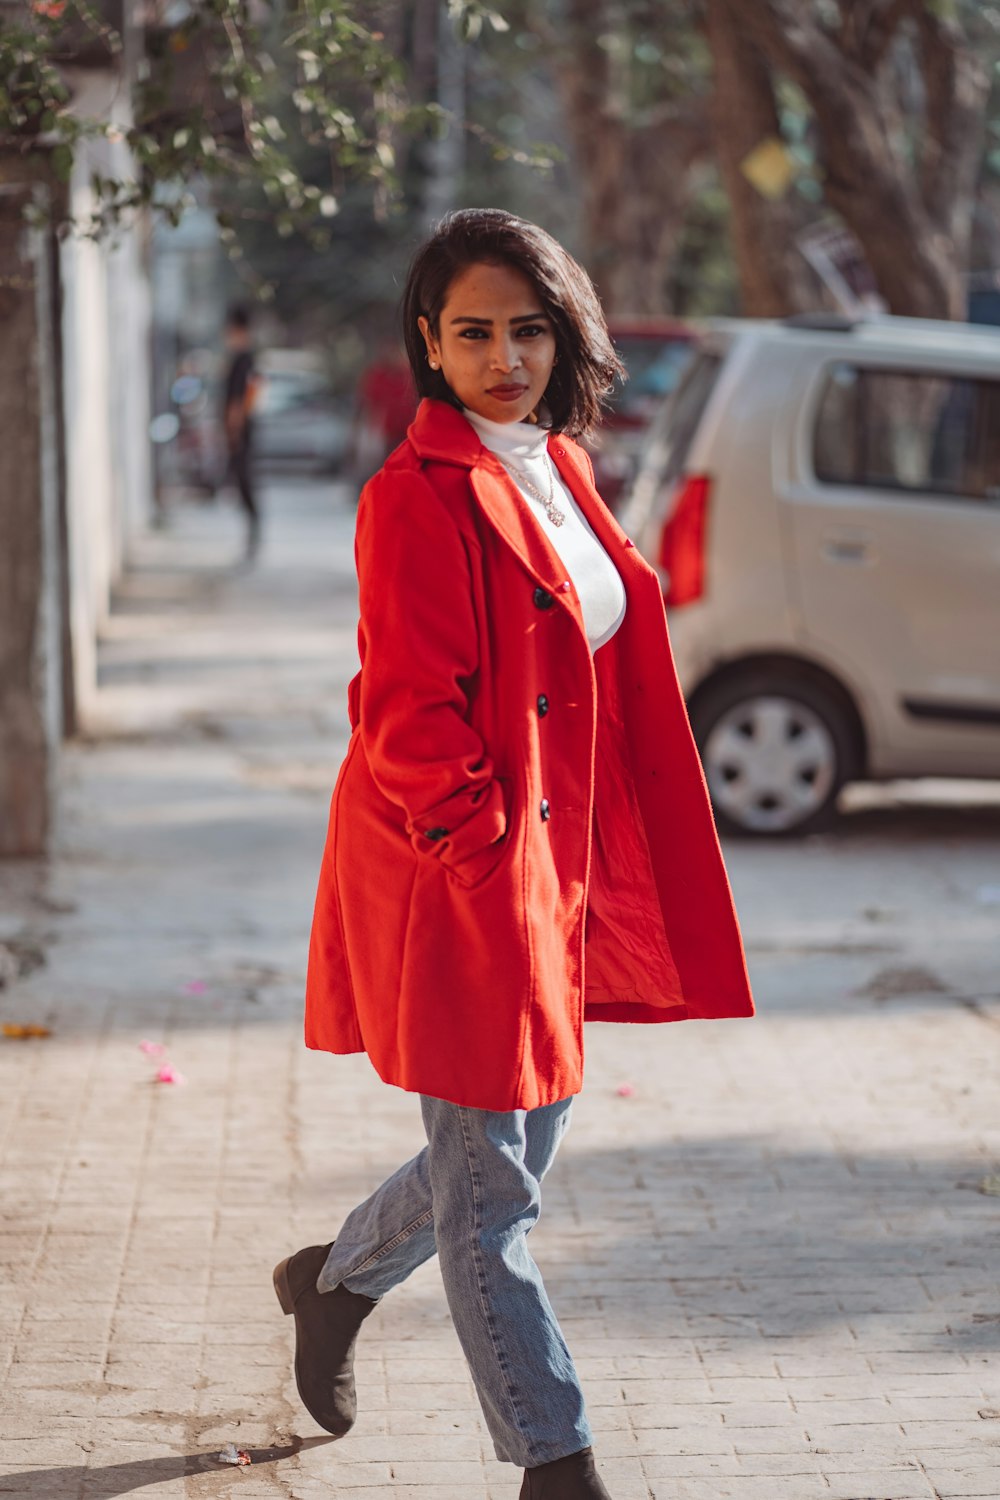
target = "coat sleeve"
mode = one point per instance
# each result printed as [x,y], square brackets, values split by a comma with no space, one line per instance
[421,651]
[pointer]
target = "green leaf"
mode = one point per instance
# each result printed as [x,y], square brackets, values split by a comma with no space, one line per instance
[62,162]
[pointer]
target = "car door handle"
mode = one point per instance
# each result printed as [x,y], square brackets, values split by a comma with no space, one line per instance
[847,549]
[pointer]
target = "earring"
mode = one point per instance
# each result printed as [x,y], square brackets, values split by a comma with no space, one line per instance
[432,362]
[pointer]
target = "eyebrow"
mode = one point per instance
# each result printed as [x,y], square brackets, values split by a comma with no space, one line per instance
[488,322]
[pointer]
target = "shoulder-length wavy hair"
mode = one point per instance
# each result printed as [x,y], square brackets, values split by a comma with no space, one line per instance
[587,362]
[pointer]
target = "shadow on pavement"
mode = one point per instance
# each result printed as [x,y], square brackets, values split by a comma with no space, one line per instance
[916,822]
[900,822]
[748,1239]
[122,1479]
[740,1240]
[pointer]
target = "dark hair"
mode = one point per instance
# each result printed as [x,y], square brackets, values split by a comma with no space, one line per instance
[587,362]
[238,316]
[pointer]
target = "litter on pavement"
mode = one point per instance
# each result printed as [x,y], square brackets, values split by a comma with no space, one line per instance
[233,1455]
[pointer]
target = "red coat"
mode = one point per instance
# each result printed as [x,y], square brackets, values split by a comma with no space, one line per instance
[520,835]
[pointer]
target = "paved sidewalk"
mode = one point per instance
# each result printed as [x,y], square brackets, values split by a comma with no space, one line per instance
[775,1258]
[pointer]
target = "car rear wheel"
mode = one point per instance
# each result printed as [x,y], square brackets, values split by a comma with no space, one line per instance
[776,751]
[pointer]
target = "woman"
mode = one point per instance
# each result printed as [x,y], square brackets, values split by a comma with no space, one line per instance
[520,835]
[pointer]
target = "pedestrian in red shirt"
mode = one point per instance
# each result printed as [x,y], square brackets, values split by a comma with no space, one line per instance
[520,836]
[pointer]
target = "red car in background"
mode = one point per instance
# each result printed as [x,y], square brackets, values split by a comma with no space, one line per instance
[655,352]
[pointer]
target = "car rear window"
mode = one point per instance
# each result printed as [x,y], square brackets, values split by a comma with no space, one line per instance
[283,392]
[670,438]
[910,431]
[682,415]
[654,365]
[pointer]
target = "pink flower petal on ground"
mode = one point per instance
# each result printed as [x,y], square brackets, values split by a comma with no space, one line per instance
[625,1090]
[167,1074]
[194,987]
[152,1049]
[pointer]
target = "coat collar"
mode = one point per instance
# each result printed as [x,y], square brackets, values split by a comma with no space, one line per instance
[440,432]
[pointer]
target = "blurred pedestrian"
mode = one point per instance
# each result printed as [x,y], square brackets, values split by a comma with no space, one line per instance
[520,834]
[240,395]
[385,407]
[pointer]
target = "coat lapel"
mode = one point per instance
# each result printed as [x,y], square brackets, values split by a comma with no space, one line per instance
[441,432]
[574,471]
[504,507]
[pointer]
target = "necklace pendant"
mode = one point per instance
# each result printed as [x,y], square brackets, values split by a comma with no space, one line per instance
[555,516]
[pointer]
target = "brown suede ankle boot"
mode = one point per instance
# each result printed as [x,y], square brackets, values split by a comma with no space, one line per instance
[572,1478]
[326,1330]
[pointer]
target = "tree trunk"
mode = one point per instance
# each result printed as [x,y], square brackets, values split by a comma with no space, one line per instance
[30,593]
[635,178]
[774,278]
[445,154]
[957,92]
[913,226]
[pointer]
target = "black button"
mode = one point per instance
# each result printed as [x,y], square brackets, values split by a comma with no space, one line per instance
[434,834]
[545,810]
[542,598]
[543,705]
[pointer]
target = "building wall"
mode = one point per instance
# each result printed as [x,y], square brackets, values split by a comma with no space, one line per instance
[105,392]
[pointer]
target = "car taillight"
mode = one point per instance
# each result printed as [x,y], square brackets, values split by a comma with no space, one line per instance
[682,546]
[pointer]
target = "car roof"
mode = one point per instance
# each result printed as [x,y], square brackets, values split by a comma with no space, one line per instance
[831,333]
[291,362]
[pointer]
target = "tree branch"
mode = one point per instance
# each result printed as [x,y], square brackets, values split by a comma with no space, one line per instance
[867,29]
[914,233]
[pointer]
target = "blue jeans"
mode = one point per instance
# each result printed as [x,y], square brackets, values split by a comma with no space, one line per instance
[472,1194]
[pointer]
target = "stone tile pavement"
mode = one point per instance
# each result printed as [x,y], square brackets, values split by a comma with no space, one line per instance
[775,1259]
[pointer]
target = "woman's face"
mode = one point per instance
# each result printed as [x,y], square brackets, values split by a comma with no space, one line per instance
[494,344]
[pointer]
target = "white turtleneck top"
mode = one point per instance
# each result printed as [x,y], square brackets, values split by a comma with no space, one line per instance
[599,588]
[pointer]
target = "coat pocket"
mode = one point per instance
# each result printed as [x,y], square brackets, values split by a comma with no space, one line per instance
[476,868]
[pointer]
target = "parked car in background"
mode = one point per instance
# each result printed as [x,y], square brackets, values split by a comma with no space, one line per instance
[822,499]
[189,435]
[655,352]
[298,422]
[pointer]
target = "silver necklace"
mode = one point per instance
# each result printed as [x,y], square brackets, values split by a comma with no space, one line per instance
[556,515]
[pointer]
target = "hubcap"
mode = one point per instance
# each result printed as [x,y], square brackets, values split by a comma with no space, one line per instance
[770,763]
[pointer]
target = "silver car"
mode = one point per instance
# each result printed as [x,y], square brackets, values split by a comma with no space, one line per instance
[822,498]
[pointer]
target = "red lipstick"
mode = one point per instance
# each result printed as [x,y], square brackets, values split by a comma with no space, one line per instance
[507,392]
